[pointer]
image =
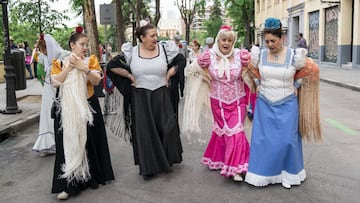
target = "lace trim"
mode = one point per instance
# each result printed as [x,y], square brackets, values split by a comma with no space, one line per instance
[292,179]
[229,101]
[226,130]
[227,171]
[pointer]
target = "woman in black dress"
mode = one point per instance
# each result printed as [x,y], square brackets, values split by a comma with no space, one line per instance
[82,153]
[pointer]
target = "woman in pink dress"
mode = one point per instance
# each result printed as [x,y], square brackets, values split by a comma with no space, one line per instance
[228,148]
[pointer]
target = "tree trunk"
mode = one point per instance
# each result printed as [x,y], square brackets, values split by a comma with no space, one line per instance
[187,35]
[91,28]
[138,12]
[120,26]
[157,12]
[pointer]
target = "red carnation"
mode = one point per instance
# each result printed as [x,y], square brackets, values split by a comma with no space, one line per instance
[79,29]
[226,27]
[180,46]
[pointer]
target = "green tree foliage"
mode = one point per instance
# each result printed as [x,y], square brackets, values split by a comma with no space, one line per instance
[37,15]
[213,24]
[242,12]
[62,37]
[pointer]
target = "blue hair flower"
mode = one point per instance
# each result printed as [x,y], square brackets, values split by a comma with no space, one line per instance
[272,23]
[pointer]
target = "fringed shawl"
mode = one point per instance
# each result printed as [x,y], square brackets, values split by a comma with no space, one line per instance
[308,97]
[197,100]
[123,85]
[76,114]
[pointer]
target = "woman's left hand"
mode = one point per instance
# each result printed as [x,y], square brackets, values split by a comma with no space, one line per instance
[78,63]
[171,72]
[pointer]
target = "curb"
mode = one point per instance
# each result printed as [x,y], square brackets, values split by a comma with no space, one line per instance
[17,126]
[341,84]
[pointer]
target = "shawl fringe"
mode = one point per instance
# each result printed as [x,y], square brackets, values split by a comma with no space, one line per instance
[76,115]
[120,128]
[309,105]
[197,102]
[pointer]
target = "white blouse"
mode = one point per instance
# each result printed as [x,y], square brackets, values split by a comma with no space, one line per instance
[149,73]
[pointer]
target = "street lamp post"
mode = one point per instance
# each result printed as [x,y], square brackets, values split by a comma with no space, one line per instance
[252,38]
[11,104]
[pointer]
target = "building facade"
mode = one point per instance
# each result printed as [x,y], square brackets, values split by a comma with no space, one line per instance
[331,28]
[199,20]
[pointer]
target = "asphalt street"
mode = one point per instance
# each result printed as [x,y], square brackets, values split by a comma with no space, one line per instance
[332,167]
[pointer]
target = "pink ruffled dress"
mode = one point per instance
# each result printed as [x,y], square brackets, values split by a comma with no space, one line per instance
[228,149]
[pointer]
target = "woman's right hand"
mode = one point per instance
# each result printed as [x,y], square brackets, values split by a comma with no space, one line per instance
[131,78]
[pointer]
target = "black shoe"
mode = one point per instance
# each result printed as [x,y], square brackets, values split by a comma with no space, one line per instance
[148,177]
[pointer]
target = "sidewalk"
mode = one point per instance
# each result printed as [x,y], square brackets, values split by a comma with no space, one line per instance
[29,100]
[342,77]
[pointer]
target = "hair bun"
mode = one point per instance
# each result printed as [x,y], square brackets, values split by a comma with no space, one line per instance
[79,29]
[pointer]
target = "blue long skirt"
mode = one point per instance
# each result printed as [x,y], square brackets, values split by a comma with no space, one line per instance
[276,149]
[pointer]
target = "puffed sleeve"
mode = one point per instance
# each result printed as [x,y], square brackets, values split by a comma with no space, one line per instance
[255,58]
[255,55]
[94,64]
[204,59]
[299,58]
[299,62]
[245,57]
[171,50]
[127,48]
[55,69]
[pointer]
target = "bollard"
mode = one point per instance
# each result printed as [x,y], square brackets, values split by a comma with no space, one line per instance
[18,61]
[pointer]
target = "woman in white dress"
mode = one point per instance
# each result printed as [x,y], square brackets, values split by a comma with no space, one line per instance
[49,50]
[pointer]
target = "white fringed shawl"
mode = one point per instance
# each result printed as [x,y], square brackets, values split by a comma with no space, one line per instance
[76,114]
[197,101]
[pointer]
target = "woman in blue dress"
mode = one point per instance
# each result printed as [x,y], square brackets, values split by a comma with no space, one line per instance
[276,154]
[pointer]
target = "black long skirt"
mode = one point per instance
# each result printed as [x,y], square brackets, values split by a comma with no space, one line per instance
[155,131]
[97,151]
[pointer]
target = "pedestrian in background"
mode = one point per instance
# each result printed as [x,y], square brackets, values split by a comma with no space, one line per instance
[276,154]
[154,128]
[28,55]
[209,42]
[228,148]
[49,50]
[183,50]
[27,65]
[35,58]
[12,44]
[82,154]
[301,41]
[195,51]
